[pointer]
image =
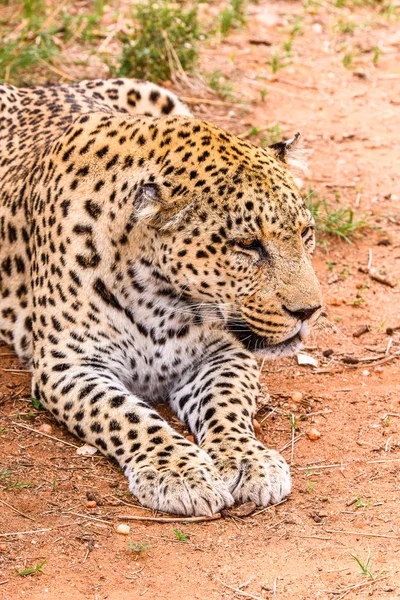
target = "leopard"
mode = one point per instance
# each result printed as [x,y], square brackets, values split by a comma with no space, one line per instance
[148,256]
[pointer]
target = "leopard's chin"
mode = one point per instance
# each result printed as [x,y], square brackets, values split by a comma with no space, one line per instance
[259,345]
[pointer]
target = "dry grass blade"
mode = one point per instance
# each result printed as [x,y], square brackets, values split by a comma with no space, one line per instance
[240,592]
[17,511]
[44,434]
[377,535]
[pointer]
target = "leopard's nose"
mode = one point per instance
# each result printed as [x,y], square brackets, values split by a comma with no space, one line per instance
[302,314]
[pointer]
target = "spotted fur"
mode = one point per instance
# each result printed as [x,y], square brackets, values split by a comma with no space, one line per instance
[145,256]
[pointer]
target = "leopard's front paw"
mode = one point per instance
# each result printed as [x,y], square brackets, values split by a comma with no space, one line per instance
[252,472]
[189,485]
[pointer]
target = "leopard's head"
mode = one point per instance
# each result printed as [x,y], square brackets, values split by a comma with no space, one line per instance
[235,233]
[228,227]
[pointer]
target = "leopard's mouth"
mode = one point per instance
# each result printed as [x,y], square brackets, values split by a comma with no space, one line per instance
[259,344]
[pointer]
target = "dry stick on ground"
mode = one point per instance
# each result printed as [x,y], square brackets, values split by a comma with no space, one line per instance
[87,517]
[291,443]
[40,530]
[263,510]
[381,361]
[240,592]
[170,520]
[44,434]
[357,586]
[17,511]
[378,535]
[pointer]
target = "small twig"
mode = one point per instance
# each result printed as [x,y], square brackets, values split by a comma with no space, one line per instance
[87,517]
[40,530]
[17,511]
[311,537]
[381,361]
[359,585]
[169,520]
[240,592]
[389,460]
[369,265]
[25,532]
[4,581]
[314,414]
[321,467]
[44,434]
[291,443]
[292,438]
[274,525]
[55,70]
[378,535]
[271,506]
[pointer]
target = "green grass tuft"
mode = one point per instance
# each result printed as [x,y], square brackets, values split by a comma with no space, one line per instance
[340,221]
[163,39]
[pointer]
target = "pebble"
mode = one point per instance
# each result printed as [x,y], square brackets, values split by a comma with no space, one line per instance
[91,504]
[45,428]
[296,397]
[86,450]
[313,434]
[123,529]
[366,372]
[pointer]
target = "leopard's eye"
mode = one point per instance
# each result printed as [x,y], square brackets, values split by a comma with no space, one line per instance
[250,244]
[306,232]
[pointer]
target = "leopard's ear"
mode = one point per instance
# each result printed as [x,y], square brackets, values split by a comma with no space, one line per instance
[282,150]
[154,206]
[148,202]
[294,155]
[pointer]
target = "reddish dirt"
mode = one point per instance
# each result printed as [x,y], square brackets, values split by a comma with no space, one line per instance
[348,501]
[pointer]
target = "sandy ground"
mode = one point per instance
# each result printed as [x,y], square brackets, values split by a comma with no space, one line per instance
[346,484]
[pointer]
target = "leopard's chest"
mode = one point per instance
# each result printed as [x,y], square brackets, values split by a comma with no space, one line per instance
[155,351]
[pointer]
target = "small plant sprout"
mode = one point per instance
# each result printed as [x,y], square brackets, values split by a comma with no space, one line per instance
[218,83]
[360,503]
[347,60]
[272,135]
[19,485]
[37,404]
[182,537]
[5,473]
[233,16]
[310,486]
[359,299]
[376,54]
[139,547]
[366,566]
[330,264]
[33,571]
[278,62]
